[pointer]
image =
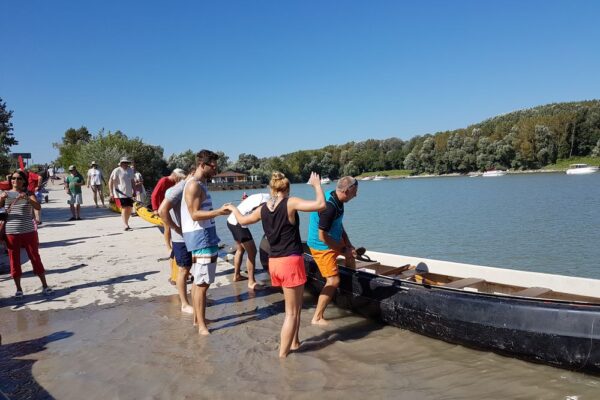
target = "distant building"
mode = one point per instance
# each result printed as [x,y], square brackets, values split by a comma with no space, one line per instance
[230,177]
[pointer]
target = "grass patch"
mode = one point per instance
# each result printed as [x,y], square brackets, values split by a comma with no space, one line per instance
[564,164]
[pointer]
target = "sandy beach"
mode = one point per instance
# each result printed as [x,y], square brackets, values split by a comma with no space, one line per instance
[113,330]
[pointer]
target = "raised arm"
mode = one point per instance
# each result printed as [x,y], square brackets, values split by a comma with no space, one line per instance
[318,204]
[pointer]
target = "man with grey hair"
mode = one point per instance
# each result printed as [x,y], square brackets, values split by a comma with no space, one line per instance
[327,239]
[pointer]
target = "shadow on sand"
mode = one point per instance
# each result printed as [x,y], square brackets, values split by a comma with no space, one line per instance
[60,292]
[16,376]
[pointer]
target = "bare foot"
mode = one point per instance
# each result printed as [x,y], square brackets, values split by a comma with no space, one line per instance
[203,331]
[187,309]
[320,322]
[255,286]
[295,346]
[237,278]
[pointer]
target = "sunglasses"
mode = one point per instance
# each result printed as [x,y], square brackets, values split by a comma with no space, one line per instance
[212,165]
[16,178]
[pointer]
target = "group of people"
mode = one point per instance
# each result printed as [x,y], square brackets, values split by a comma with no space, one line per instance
[185,206]
[187,209]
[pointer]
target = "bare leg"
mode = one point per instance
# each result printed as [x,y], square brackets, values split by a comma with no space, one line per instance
[18,283]
[199,303]
[95,192]
[101,195]
[250,248]
[332,283]
[291,323]
[72,207]
[43,280]
[182,289]
[237,261]
[77,211]
[125,215]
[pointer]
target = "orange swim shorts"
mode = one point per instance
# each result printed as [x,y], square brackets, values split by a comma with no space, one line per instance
[287,271]
[326,261]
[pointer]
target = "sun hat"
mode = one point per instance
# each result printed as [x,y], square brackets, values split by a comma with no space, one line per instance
[93,163]
[124,159]
[71,167]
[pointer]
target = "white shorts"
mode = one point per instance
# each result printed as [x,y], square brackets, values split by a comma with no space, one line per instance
[76,199]
[204,268]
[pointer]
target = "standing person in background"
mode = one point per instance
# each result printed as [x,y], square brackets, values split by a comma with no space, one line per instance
[34,183]
[120,185]
[327,239]
[20,231]
[95,178]
[158,195]
[139,189]
[51,174]
[281,223]
[74,182]
[200,232]
[164,183]
[244,242]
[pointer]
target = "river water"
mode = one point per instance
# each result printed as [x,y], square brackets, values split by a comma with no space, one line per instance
[546,222]
[147,349]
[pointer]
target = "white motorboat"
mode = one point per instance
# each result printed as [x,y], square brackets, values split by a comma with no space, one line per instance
[325,181]
[367,178]
[581,169]
[379,178]
[475,174]
[496,172]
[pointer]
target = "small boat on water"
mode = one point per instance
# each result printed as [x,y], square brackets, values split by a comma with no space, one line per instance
[325,181]
[379,178]
[581,169]
[495,172]
[366,178]
[538,317]
[475,174]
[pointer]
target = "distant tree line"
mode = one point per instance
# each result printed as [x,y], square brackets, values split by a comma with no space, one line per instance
[7,138]
[526,139]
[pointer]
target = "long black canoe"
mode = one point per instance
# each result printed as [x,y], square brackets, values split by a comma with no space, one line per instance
[550,319]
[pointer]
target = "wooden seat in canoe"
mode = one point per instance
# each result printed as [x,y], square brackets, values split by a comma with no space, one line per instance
[532,292]
[463,283]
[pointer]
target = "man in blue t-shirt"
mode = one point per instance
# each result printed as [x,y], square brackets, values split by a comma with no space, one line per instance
[327,240]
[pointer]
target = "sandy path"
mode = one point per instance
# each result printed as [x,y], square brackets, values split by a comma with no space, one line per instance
[93,261]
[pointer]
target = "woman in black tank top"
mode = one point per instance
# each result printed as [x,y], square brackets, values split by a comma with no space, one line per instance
[282,227]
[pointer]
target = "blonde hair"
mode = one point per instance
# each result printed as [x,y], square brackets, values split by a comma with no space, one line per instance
[279,183]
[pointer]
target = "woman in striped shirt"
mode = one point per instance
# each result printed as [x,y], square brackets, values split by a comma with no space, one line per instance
[20,230]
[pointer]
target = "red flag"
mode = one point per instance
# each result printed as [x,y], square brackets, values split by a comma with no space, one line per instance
[21,165]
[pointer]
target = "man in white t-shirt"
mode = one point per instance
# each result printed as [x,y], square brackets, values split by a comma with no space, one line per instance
[244,242]
[121,184]
[95,178]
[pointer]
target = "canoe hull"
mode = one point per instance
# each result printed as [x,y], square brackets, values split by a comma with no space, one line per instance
[561,334]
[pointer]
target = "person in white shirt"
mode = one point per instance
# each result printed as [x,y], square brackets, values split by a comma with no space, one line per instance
[95,178]
[244,242]
[120,184]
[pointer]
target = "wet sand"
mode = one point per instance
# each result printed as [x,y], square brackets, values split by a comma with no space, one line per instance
[114,330]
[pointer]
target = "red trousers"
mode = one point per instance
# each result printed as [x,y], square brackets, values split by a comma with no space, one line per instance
[30,241]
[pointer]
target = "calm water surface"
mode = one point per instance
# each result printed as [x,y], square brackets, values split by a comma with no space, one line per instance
[536,222]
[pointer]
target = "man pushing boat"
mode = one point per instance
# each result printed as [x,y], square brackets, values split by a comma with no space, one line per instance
[327,239]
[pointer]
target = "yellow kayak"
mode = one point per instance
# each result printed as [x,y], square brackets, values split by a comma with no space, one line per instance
[147,215]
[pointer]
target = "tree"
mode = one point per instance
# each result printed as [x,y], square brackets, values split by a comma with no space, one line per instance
[77,136]
[6,130]
[185,161]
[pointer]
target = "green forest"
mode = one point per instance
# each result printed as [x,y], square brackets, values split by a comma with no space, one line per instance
[521,140]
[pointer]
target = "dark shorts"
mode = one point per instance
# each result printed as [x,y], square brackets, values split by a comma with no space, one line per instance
[183,257]
[122,202]
[240,234]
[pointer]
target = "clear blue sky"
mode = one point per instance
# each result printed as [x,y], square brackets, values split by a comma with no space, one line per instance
[272,77]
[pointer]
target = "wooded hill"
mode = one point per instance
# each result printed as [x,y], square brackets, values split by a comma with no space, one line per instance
[525,139]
